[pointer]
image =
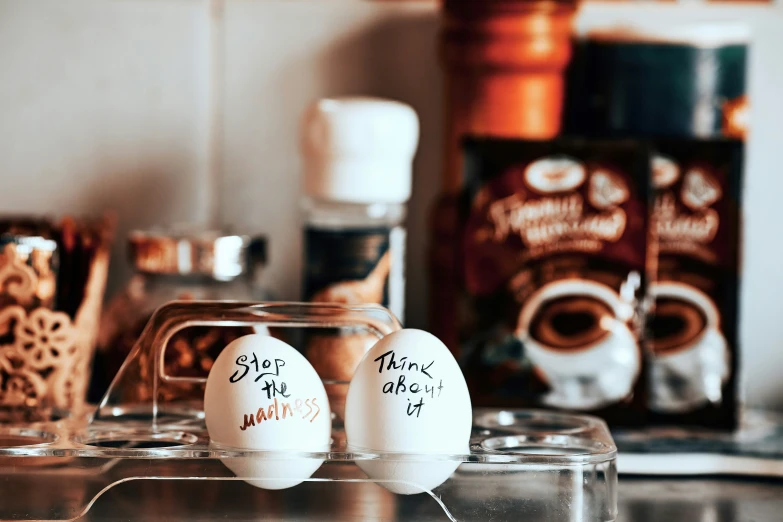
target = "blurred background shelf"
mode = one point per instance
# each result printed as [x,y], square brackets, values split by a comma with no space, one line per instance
[190,106]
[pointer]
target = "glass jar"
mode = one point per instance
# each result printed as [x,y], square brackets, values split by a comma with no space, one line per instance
[357,155]
[173,265]
[52,279]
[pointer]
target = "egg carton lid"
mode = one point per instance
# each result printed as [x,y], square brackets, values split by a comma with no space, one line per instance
[519,463]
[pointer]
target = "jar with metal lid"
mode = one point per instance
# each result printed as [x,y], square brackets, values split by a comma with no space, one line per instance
[177,265]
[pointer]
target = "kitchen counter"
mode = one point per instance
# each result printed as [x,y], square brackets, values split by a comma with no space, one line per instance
[700,500]
[640,500]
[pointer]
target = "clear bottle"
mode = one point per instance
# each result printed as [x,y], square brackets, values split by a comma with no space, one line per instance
[357,155]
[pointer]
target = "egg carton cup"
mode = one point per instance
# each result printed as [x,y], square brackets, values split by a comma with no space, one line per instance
[155,459]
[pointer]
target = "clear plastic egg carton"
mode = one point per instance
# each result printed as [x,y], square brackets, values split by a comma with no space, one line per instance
[153,461]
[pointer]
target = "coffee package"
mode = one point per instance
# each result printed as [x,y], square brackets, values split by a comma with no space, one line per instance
[691,335]
[553,256]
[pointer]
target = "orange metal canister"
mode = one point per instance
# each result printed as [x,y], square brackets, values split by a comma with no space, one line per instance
[504,64]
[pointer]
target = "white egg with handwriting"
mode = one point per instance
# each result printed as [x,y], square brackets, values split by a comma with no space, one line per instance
[262,394]
[408,401]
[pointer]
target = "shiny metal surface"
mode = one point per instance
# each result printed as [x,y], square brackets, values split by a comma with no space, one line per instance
[641,500]
[189,252]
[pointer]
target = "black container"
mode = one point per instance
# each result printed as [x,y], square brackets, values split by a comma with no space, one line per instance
[682,81]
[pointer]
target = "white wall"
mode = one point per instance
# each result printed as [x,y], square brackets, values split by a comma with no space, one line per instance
[102,107]
[172,110]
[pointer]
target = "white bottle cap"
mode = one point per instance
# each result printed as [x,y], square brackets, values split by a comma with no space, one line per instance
[359,150]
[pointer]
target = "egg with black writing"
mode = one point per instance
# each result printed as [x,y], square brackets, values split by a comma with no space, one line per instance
[408,403]
[262,394]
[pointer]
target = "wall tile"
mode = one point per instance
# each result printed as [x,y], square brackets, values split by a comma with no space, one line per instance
[104,108]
